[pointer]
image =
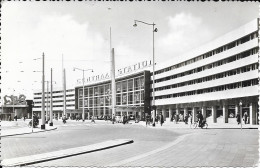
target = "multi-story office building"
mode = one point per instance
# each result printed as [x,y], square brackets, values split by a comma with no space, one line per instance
[57,96]
[213,79]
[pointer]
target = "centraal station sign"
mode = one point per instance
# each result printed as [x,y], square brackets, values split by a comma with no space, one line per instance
[119,72]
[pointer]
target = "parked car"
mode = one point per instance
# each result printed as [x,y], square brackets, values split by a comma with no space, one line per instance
[131,117]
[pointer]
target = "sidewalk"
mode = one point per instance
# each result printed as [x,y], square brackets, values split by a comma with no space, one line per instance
[20,127]
[182,125]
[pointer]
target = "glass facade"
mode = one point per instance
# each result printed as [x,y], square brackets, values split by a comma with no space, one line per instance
[130,96]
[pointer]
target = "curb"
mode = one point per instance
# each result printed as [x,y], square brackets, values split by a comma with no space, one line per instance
[27,160]
[28,132]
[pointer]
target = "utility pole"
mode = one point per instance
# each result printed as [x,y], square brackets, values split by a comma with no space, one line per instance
[43,95]
[51,108]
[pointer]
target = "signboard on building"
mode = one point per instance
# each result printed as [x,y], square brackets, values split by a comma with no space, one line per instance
[121,71]
[15,100]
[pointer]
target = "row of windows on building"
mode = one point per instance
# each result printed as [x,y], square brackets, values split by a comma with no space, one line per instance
[55,101]
[72,95]
[121,86]
[68,105]
[235,85]
[70,90]
[211,77]
[211,53]
[130,98]
[211,65]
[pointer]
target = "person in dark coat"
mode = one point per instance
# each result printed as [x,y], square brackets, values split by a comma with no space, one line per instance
[200,118]
[245,117]
[238,118]
[176,118]
[161,119]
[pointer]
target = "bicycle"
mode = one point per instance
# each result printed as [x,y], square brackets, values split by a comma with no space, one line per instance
[204,124]
[35,124]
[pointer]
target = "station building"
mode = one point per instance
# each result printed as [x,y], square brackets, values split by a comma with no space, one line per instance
[217,79]
[132,96]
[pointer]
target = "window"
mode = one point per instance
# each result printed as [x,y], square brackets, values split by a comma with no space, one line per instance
[118,87]
[90,91]
[124,98]
[137,83]
[101,90]
[124,86]
[118,99]
[130,85]
[137,97]
[130,98]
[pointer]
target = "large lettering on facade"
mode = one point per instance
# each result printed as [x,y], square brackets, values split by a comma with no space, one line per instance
[120,72]
[14,100]
[134,67]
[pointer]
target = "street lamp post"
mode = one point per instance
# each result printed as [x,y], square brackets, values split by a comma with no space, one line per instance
[153,102]
[240,105]
[51,109]
[43,95]
[13,106]
[83,99]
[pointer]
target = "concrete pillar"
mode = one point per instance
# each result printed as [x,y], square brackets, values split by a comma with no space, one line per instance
[214,114]
[252,114]
[58,115]
[170,113]
[225,114]
[194,114]
[28,115]
[185,111]
[164,114]
[236,109]
[203,112]
[177,111]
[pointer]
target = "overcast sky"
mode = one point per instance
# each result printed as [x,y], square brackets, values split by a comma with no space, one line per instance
[80,32]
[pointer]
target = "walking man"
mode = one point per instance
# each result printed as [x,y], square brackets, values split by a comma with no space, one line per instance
[161,119]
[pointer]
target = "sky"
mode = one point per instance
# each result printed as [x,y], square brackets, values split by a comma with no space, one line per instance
[79,34]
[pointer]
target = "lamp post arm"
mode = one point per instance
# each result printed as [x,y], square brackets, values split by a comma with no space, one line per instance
[144,22]
[83,69]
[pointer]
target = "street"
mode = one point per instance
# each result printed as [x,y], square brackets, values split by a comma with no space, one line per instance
[152,146]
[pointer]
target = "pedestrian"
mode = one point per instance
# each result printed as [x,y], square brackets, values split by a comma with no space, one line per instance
[161,119]
[245,117]
[186,118]
[147,120]
[64,119]
[190,119]
[238,118]
[199,118]
[176,118]
[15,117]
[93,119]
[113,119]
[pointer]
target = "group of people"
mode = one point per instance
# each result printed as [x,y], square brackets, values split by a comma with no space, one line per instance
[158,118]
[245,118]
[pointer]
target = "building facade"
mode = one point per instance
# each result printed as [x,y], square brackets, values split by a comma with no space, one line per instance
[132,96]
[213,79]
[57,99]
[218,79]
